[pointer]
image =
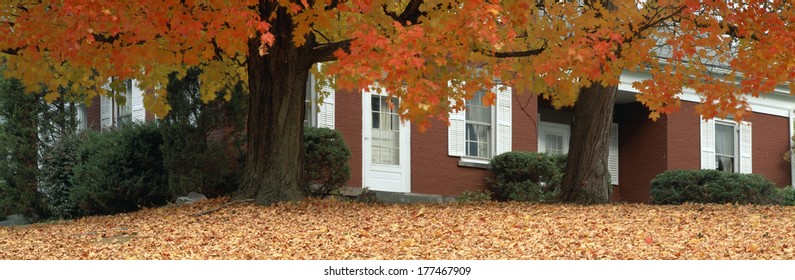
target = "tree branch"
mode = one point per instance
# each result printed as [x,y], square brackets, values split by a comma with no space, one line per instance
[410,14]
[513,54]
[325,52]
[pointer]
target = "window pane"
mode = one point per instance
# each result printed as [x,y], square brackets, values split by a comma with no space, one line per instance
[554,143]
[478,140]
[724,163]
[724,139]
[385,144]
[478,127]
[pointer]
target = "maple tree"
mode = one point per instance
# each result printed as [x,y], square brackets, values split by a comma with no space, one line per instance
[432,54]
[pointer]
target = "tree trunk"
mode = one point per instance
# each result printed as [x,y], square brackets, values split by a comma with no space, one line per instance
[587,178]
[277,88]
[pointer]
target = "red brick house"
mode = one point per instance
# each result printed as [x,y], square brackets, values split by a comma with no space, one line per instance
[110,113]
[395,157]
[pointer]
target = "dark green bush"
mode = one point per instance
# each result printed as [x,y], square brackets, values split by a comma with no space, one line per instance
[526,176]
[195,162]
[325,161]
[711,186]
[786,196]
[56,170]
[120,171]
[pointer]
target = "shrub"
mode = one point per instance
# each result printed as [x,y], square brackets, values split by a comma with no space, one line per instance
[468,196]
[786,196]
[56,170]
[526,176]
[711,186]
[119,171]
[195,165]
[325,161]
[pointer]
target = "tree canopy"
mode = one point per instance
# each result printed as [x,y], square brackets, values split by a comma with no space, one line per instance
[426,52]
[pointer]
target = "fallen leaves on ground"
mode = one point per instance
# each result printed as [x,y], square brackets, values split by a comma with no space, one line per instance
[344,230]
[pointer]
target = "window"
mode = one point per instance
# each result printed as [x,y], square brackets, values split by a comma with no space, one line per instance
[478,132]
[553,138]
[478,127]
[125,111]
[385,130]
[317,113]
[81,116]
[726,146]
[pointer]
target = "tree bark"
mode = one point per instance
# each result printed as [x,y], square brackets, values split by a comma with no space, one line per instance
[587,178]
[277,88]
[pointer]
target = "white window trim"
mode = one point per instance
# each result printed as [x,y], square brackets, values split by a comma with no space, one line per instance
[743,144]
[492,137]
[735,142]
[557,128]
[310,89]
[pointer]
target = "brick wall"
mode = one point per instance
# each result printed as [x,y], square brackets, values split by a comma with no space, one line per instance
[525,122]
[770,140]
[348,120]
[93,113]
[684,138]
[433,171]
[642,151]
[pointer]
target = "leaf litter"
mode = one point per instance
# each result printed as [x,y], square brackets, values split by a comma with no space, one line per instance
[323,229]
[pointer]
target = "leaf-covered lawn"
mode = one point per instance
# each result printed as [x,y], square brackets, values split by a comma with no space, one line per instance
[339,230]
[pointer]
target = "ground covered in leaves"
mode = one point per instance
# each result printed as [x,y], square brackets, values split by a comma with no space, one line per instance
[345,230]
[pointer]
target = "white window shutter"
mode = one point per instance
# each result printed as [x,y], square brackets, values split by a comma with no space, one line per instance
[456,134]
[708,144]
[504,141]
[106,112]
[137,99]
[745,148]
[325,115]
[612,157]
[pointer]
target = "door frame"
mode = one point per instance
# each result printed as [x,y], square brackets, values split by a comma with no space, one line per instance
[405,148]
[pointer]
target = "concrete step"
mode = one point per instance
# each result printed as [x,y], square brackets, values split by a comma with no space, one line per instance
[394,197]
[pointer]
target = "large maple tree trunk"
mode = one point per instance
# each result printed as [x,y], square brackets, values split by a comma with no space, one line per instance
[587,178]
[277,84]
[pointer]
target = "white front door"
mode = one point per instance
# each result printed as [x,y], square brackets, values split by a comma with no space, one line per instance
[386,145]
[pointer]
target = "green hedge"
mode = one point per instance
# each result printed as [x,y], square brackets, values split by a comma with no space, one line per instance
[711,186]
[325,161]
[120,171]
[526,176]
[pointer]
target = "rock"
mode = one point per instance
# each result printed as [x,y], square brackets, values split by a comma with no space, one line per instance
[190,198]
[15,220]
